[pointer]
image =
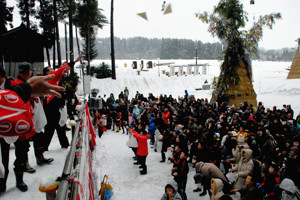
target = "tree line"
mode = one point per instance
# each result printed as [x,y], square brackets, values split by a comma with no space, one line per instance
[44,16]
[167,48]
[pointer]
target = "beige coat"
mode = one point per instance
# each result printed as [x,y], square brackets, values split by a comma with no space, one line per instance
[243,169]
[217,193]
[210,169]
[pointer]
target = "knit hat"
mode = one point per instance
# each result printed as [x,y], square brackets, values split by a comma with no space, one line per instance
[295,149]
[179,126]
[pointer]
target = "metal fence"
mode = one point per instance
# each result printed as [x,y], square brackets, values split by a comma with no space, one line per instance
[68,189]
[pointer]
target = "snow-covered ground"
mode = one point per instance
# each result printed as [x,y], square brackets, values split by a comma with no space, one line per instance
[114,158]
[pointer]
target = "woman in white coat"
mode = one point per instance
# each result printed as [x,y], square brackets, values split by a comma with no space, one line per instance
[133,144]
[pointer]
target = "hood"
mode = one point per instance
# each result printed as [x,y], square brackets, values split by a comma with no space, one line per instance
[218,186]
[173,184]
[200,165]
[248,153]
[241,139]
[152,120]
[288,184]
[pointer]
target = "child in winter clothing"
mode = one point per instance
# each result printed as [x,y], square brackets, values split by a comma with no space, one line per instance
[216,189]
[270,180]
[171,192]
[180,171]
[176,155]
[151,130]
[250,192]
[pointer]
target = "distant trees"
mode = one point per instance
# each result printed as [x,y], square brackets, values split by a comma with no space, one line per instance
[45,15]
[102,71]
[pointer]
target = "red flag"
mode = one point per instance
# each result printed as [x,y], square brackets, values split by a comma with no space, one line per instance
[58,74]
[90,125]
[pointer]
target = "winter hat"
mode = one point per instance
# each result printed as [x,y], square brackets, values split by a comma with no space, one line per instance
[295,149]
[234,134]
[130,114]
[179,126]
[262,129]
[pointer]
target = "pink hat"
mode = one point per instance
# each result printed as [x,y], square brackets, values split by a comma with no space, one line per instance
[179,126]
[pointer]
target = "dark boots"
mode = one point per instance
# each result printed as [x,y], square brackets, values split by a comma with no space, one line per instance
[41,160]
[144,171]
[163,157]
[2,185]
[28,168]
[19,179]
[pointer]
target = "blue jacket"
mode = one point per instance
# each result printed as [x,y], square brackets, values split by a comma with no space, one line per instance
[136,111]
[151,128]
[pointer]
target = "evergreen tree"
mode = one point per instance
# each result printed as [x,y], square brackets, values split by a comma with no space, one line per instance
[6,16]
[27,9]
[93,51]
[89,17]
[45,15]
[226,23]
[102,71]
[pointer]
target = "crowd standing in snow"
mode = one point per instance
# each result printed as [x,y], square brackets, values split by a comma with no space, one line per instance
[46,113]
[243,148]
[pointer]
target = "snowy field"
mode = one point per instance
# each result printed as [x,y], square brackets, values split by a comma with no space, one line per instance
[114,158]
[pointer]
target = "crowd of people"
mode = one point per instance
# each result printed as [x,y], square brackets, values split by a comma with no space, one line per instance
[251,150]
[246,149]
[44,96]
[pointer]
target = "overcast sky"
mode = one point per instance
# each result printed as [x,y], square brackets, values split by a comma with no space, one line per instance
[182,23]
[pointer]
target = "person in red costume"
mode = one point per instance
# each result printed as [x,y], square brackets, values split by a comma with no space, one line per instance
[35,86]
[52,107]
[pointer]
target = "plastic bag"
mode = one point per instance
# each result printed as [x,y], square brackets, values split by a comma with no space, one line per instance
[63,116]
[39,117]
[230,176]
[106,189]
[108,193]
